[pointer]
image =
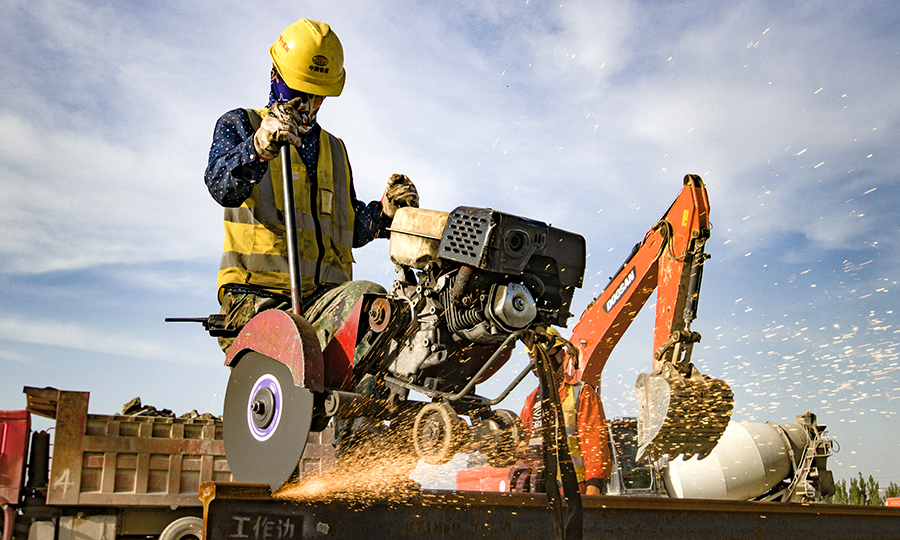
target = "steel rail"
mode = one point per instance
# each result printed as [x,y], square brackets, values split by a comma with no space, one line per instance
[247,511]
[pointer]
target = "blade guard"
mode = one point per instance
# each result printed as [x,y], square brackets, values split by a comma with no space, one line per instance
[286,338]
[681,415]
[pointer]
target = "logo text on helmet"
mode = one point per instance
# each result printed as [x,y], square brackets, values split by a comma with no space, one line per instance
[320,60]
[318,69]
[284,44]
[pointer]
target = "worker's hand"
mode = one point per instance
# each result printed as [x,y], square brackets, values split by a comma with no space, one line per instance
[400,193]
[277,128]
[592,490]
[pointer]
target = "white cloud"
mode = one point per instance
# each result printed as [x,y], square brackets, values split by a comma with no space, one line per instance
[739,97]
[83,337]
[582,44]
[16,357]
[93,201]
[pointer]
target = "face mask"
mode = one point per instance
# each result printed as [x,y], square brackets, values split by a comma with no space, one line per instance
[307,105]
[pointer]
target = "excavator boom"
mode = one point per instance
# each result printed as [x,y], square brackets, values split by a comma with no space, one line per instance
[680,410]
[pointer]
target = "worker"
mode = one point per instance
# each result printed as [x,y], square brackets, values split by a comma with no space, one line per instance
[244,176]
[585,422]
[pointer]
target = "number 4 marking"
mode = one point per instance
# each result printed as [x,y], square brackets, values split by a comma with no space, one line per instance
[62,482]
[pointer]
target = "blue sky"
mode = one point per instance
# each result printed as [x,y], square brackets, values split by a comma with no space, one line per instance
[583,114]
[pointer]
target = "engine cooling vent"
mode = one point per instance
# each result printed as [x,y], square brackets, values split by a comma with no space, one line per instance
[466,235]
[550,260]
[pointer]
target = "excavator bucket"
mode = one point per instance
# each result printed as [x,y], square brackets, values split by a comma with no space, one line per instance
[680,414]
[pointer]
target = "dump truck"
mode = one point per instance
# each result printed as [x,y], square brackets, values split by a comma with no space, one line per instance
[110,476]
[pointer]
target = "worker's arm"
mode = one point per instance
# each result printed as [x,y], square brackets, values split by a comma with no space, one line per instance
[234,166]
[371,223]
[594,439]
[373,219]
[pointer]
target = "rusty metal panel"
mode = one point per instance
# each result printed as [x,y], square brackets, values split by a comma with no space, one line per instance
[206,469]
[79,527]
[245,512]
[150,462]
[108,476]
[41,401]
[128,500]
[174,474]
[65,472]
[142,473]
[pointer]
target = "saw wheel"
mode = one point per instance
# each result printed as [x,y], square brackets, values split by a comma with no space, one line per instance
[267,420]
[438,433]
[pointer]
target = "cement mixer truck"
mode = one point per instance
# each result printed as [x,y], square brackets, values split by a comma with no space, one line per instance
[752,461]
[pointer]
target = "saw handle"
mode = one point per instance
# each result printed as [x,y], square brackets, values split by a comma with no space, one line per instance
[290,224]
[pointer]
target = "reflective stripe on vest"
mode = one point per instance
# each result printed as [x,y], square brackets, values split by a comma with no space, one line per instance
[255,250]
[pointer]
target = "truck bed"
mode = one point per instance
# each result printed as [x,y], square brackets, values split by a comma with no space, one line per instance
[113,460]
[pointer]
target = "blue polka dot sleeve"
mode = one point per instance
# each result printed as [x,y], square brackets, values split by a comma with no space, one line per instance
[233,168]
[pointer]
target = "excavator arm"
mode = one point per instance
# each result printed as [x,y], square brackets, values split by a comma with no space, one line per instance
[680,410]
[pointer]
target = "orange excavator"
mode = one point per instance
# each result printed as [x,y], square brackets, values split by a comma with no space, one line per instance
[680,411]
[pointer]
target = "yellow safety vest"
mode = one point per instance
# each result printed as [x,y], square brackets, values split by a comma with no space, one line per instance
[255,250]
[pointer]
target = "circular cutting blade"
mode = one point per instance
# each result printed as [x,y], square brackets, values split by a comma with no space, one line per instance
[267,421]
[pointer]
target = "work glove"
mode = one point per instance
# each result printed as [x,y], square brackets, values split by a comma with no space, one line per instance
[400,193]
[277,128]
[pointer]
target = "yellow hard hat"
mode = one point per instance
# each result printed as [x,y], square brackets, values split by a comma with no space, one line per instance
[309,57]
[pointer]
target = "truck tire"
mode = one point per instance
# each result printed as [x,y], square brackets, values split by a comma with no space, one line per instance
[183,529]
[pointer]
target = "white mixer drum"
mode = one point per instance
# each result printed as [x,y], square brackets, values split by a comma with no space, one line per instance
[749,460]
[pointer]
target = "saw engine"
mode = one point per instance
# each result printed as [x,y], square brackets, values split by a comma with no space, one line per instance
[468,281]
